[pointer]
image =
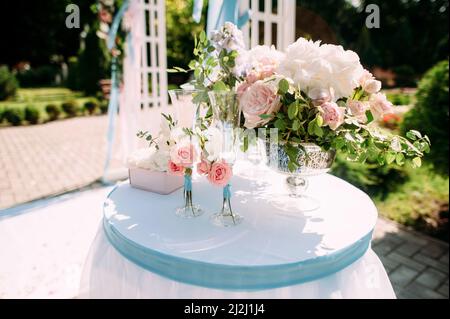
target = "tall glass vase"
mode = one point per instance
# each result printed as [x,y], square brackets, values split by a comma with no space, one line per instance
[226,118]
[186,114]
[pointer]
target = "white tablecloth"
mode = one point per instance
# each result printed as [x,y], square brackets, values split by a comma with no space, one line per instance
[274,232]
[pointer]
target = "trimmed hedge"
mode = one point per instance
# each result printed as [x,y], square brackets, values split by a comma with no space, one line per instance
[14,115]
[91,106]
[71,108]
[53,111]
[32,114]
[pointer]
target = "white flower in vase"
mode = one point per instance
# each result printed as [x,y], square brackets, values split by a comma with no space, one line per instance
[213,143]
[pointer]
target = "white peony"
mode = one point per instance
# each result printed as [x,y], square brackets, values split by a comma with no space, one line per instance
[313,66]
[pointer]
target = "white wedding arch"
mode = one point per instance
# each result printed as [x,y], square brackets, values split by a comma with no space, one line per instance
[143,95]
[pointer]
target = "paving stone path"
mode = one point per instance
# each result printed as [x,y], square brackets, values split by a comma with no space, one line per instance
[43,160]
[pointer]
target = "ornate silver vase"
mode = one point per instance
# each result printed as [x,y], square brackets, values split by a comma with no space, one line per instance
[311,160]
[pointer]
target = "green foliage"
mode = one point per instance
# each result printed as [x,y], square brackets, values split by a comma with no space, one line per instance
[181,30]
[14,115]
[39,76]
[431,114]
[2,110]
[94,63]
[53,111]
[8,83]
[414,197]
[71,108]
[104,106]
[404,76]
[73,78]
[91,106]
[399,98]
[420,202]
[32,114]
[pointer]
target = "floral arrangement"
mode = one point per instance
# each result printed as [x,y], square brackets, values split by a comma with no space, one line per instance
[312,93]
[171,150]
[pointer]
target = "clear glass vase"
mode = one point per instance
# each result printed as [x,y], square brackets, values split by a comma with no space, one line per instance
[226,118]
[186,114]
[188,210]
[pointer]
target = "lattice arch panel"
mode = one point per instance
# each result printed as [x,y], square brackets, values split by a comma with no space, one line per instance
[271,22]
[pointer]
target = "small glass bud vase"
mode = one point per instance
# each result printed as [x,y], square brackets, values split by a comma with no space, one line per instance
[226,117]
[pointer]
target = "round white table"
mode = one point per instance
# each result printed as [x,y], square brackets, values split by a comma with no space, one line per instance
[143,250]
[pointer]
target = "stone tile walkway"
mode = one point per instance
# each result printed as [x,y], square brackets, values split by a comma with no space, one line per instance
[42,160]
[417,265]
[53,158]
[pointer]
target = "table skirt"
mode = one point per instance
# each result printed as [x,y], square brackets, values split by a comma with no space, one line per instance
[107,274]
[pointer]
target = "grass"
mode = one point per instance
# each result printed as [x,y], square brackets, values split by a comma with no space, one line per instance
[420,202]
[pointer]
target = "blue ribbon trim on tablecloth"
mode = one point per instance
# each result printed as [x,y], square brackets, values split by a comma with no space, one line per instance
[235,277]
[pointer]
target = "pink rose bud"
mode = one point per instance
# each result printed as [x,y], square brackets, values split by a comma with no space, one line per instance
[379,105]
[203,167]
[175,169]
[332,114]
[220,173]
[372,86]
[183,155]
[358,110]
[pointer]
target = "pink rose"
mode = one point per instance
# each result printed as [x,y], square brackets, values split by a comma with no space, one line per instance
[183,155]
[203,167]
[220,173]
[175,169]
[358,110]
[260,98]
[242,88]
[379,105]
[264,68]
[369,83]
[332,114]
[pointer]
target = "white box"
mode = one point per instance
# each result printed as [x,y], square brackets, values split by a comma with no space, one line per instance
[153,181]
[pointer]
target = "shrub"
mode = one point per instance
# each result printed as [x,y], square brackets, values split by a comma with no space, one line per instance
[91,106]
[430,114]
[70,108]
[104,106]
[2,110]
[14,115]
[53,111]
[8,83]
[32,114]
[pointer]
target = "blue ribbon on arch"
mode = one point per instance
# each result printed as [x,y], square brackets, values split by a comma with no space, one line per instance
[219,12]
[113,104]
